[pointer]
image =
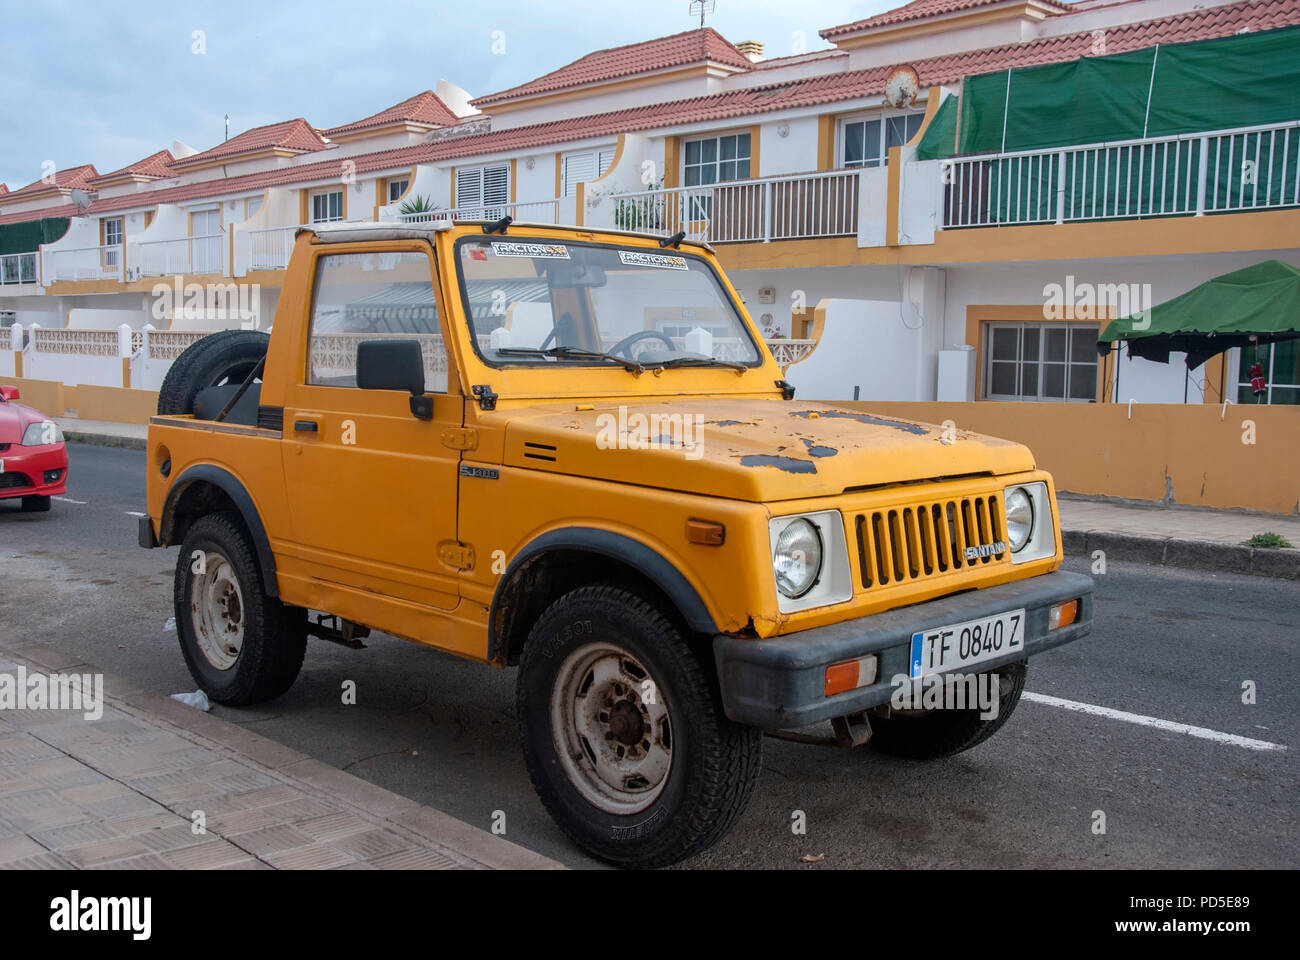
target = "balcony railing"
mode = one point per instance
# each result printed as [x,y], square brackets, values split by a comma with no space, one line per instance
[537,211]
[270,248]
[1250,168]
[87,263]
[18,268]
[164,258]
[807,205]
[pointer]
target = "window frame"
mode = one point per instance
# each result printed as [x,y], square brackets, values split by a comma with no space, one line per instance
[325,194]
[391,182]
[1042,326]
[718,159]
[866,117]
[1244,356]
[568,186]
[482,203]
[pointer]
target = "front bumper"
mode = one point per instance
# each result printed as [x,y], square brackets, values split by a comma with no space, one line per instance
[25,470]
[780,683]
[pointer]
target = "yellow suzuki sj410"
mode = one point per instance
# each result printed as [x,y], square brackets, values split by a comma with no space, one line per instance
[569,450]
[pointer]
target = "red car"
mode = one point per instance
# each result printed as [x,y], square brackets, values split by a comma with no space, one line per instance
[33,459]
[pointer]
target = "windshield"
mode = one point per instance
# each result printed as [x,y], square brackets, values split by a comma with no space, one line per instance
[541,301]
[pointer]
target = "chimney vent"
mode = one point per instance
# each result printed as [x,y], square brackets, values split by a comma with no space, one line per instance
[752,49]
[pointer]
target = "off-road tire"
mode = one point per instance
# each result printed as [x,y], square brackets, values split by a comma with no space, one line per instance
[942,733]
[715,763]
[274,634]
[35,504]
[220,358]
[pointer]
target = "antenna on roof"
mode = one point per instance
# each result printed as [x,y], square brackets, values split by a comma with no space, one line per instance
[227,126]
[703,8]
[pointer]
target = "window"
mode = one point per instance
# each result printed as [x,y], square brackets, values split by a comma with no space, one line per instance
[113,233]
[205,242]
[397,187]
[483,192]
[327,207]
[1040,361]
[1281,363]
[576,168]
[372,296]
[716,159]
[866,143]
[251,206]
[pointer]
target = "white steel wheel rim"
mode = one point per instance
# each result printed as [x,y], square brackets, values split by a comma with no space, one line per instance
[217,612]
[611,729]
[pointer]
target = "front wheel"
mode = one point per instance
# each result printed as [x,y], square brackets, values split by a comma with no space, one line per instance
[35,504]
[932,734]
[241,645]
[624,734]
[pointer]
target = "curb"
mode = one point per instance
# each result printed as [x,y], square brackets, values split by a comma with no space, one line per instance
[1188,554]
[439,831]
[106,440]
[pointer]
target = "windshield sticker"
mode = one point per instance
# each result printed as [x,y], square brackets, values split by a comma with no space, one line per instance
[633,259]
[543,251]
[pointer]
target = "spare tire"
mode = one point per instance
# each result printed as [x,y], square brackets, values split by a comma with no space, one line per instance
[222,358]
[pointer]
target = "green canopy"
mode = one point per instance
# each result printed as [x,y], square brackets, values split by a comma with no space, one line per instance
[1258,304]
[940,140]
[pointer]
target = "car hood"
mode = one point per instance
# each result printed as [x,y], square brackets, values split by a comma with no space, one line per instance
[14,418]
[749,449]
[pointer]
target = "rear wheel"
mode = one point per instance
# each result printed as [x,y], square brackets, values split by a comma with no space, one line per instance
[221,358]
[624,733]
[241,645]
[35,504]
[933,734]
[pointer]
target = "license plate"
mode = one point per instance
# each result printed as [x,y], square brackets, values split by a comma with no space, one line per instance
[959,645]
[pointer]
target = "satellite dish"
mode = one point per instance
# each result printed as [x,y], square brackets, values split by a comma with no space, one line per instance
[80,198]
[903,85]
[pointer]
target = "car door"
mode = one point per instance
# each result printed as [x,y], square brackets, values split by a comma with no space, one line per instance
[372,488]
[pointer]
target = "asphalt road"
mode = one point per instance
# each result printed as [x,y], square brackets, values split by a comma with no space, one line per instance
[1168,644]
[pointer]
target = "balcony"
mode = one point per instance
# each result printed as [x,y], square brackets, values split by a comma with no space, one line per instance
[86,263]
[187,255]
[16,268]
[803,206]
[537,211]
[1227,171]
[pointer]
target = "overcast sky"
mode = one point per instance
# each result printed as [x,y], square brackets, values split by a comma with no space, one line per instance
[109,83]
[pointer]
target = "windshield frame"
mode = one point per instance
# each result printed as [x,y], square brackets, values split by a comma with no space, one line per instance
[723,290]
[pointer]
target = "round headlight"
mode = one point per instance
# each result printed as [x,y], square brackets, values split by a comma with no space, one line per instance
[1020,518]
[797,558]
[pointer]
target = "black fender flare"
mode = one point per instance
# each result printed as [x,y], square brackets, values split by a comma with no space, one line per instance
[229,484]
[617,546]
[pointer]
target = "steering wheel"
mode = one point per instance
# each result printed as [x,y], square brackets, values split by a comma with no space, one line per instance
[637,337]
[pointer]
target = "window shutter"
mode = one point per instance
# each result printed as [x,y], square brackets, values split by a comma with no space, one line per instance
[496,184]
[469,188]
[606,161]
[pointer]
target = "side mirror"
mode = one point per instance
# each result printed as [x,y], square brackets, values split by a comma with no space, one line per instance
[394,365]
[8,393]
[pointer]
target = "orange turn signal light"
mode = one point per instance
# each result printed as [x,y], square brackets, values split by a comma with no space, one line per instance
[850,674]
[1062,615]
[706,532]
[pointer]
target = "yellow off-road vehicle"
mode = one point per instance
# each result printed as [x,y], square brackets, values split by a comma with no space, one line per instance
[569,450]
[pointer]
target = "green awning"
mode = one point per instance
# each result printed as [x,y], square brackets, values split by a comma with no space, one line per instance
[940,139]
[1258,304]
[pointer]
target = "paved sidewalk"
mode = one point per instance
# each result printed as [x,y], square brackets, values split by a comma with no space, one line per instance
[121,792]
[104,433]
[1179,536]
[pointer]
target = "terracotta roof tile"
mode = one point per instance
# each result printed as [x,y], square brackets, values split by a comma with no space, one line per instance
[919,10]
[693,46]
[297,135]
[3,189]
[158,165]
[424,108]
[68,179]
[828,88]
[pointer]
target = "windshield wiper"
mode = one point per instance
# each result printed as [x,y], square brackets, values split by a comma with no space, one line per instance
[700,362]
[571,353]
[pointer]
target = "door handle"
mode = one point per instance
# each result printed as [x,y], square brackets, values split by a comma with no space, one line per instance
[306,426]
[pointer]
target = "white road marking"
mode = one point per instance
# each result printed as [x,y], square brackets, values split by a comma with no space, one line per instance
[81,503]
[136,513]
[1168,725]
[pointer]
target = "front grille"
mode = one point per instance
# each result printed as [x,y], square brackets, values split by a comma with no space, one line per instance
[918,541]
[13,480]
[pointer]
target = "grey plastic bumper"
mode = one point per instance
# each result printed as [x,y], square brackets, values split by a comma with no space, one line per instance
[780,683]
